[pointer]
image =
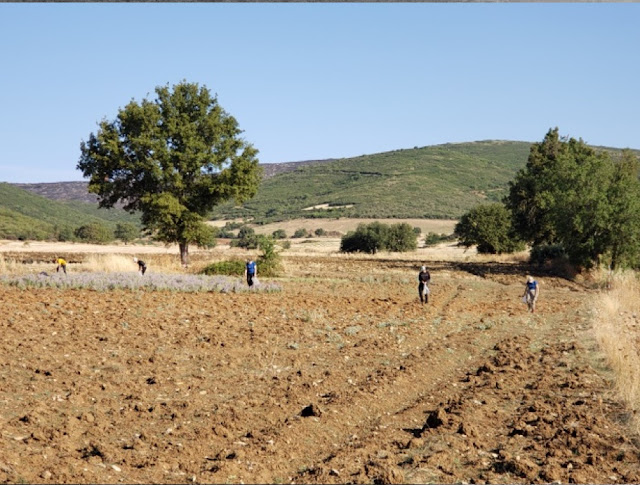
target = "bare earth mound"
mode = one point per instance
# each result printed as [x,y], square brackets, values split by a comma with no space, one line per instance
[341,377]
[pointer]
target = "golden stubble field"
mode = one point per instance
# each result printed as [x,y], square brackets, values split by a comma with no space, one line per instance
[341,377]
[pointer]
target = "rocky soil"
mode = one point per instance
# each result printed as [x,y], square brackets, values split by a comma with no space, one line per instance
[343,377]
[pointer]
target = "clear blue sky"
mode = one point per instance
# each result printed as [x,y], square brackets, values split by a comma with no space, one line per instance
[320,80]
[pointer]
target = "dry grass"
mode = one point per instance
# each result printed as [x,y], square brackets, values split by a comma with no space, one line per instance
[617,330]
[105,258]
[343,225]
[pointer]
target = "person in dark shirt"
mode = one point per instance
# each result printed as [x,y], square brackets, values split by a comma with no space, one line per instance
[424,277]
[142,266]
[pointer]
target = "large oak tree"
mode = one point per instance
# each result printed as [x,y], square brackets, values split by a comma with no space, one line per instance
[172,159]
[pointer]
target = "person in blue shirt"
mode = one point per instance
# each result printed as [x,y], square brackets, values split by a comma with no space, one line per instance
[250,272]
[531,293]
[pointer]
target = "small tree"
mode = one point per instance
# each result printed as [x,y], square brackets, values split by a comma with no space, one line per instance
[94,233]
[489,227]
[402,238]
[302,232]
[247,238]
[279,234]
[126,232]
[269,262]
[367,238]
[173,159]
[64,233]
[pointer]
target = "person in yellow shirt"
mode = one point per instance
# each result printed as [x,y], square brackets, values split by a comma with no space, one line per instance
[61,264]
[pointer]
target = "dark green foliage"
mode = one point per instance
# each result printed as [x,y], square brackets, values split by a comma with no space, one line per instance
[431,239]
[173,159]
[269,262]
[302,232]
[489,227]
[94,233]
[376,236]
[205,236]
[546,253]
[401,238]
[320,232]
[279,234]
[417,230]
[233,267]
[247,238]
[584,199]
[64,233]
[623,195]
[126,232]
[230,225]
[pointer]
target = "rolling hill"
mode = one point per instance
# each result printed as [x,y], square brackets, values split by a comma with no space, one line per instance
[25,215]
[431,182]
[442,181]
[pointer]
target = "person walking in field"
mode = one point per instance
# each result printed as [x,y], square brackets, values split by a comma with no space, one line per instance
[62,264]
[142,266]
[250,272]
[531,293]
[424,277]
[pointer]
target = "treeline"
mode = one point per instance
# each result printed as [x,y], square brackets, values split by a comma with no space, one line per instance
[571,202]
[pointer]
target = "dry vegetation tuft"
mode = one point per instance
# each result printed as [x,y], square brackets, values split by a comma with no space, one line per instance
[617,329]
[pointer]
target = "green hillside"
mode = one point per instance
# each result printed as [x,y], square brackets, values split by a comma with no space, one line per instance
[24,215]
[441,181]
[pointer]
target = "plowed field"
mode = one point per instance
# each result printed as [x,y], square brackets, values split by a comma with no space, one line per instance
[341,377]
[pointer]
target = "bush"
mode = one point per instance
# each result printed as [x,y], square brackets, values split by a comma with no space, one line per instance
[373,237]
[94,233]
[545,253]
[126,232]
[489,227]
[247,239]
[302,232]
[230,226]
[226,234]
[269,263]
[279,234]
[401,238]
[431,239]
[233,267]
[320,232]
[64,233]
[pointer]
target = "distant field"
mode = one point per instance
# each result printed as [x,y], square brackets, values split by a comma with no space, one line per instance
[344,224]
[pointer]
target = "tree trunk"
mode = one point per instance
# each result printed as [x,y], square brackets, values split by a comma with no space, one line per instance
[184,253]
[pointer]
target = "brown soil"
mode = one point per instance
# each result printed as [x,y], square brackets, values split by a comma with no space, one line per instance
[341,377]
